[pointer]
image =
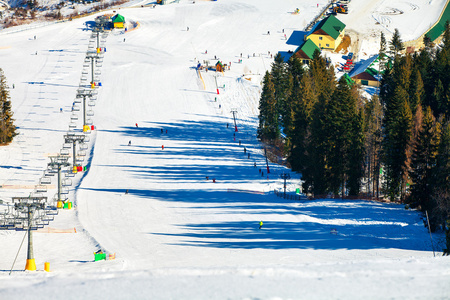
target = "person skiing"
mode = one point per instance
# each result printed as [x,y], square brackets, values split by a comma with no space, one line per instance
[129,143]
[245,149]
[227,125]
[137,125]
[162,147]
[162,130]
[260,224]
[166,131]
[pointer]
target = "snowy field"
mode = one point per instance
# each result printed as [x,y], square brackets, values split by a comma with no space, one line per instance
[177,235]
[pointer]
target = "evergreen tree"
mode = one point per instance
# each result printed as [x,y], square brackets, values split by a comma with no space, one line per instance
[7,128]
[282,81]
[382,54]
[397,132]
[396,44]
[372,128]
[446,36]
[338,129]
[268,113]
[441,187]
[416,91]
[427,42]
[315,172]
[356,153]
[424,160]
[303,115]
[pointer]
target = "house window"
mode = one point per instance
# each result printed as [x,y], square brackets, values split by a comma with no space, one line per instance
[328,45]
[320,38]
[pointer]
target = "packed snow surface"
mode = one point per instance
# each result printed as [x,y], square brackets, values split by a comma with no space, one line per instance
[176,233]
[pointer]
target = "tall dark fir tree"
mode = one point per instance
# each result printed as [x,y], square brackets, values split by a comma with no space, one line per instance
[7,127]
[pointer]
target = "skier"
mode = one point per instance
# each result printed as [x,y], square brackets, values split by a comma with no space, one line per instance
[137,125]
[260,224]
[126,192]
[166,131]
[248,154]
[245,149]
[220,106]
[162,147]
[239,142]
[60,110]
[162,130]
[227,125]
[129,143]
[124,40]
[255,164]
[268,32]
[188,28]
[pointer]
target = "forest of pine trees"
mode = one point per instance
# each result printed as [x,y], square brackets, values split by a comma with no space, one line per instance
[396,145]
[7,128]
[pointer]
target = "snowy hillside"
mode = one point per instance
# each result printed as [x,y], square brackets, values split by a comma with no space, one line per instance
[175,232]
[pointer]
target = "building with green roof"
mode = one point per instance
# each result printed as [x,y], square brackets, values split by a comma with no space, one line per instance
[439,27]
[306,51]
[118,21]
[328,33]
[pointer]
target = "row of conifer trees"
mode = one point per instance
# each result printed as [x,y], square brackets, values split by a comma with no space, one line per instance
[397,144]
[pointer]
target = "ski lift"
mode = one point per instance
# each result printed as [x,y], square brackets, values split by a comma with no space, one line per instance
[67,182]
[90,113]
[74,117]
[83,146]
[89,121]
[91,103]
[64,191]
[70,173]
[81,153]
[65,152]
[76,108]
[67,146]
[80,159]
[41,188]
[49,172]
[77,100]
[45,180]
[87,139]
[72,125]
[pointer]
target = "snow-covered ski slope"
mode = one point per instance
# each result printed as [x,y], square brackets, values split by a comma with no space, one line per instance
[176,234]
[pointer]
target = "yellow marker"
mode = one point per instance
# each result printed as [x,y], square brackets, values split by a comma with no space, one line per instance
[31,265]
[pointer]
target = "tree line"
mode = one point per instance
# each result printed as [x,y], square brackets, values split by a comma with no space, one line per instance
[7,127]
[396,144]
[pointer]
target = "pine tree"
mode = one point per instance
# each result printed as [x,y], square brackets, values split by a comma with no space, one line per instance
[7,128]
[397,132]
[298,157]
[356,154]
[282,81]
[416,90]
[424,160]
[268,113]
[396,44]
[441,188]
[372,126]
[382,54]
[446,36]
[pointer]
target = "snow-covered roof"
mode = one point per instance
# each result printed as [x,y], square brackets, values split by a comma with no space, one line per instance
[362,66]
